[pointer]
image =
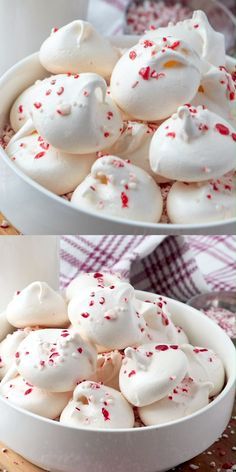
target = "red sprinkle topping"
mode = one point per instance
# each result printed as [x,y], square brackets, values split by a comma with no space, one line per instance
[27,392]
[98,275]
[37,105]
[60,91]
[80,350]
[39,155]
[234,136]
[106,134]
[124,200]
[162,347]
[175,45]
[20,109]
[85,315]
[17,355]
[222,129]
[132,55]
[133,372]
[145,72]
[64,335]
[45,146]
[105,414]
[171,135]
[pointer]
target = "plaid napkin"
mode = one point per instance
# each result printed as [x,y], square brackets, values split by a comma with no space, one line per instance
[175,266]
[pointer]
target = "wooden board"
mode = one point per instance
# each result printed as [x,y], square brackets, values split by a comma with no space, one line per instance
[6,228]
[222,453]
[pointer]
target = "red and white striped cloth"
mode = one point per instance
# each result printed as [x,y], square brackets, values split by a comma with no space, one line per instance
[175,266]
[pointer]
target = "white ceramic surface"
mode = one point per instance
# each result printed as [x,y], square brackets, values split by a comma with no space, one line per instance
[58,448]
[33,20]
[38,255]
[34,210]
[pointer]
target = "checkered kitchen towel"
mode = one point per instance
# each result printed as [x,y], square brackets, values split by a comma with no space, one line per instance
[175,266]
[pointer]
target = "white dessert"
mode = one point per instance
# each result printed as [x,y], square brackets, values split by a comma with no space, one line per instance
[37,305]
[97,406]
[55,360]
[117,188]
[76,48]
[20,111]
[55,170]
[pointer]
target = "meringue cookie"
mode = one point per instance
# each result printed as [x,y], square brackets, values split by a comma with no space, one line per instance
[189,146]
[78,47]
[155,77]
[5,327]
[117,188]
[37,305]
[150,372]
[91,280]
[204,365]
[73,114]
[40,402]
[184,400]
[202,203]
[20,111]
[55,170]
[8,349]
[108,369]
[199,34]
[97,406]
[217,92]
[107,316]
[55,360]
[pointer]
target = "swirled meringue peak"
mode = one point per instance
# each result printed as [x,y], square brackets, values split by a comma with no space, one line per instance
[38,401]
[73,113]
[20,111]
[202,203]
[186,398]
[154,78]
[55,170]
[197,31]
[78,47]
[149,372]
[217,92]
[37,305]
[90,280]
[107,316]
[118,188]
[55,360]
[8,349]
[189,146]
[97,406]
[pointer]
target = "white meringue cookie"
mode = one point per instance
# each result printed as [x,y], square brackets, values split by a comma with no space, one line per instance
[189,146]
[107,316]
[55,360]
[108,369]
[73,113]
[154,78]
[150,372]
[37,305]
[204,365]
[202,203]
[55,170]
[184,400]
[133,145]
[217,92]
[78,47]
[117,188]
[40,402]
[91,280]
[97,406]
[20,111]
[199,34]
[5,327]
[8,349]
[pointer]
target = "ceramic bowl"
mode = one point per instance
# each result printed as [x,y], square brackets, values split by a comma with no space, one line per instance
[34,210]
[59,448]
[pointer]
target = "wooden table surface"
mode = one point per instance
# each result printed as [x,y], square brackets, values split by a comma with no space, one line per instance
[219,457]
[6,229]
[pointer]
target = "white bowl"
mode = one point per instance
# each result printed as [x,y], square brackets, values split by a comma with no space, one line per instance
[34,210]
[58,448]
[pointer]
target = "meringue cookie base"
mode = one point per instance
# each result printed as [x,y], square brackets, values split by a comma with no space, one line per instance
[15,186]
[65,449]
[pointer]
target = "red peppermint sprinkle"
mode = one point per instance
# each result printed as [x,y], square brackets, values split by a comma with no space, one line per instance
[48,92]
[196,26]
[27,392]
[80,350]
[132,55]
[60,91]
[39,155]
[162,347]
[106,134]
[37,105]
[222,129]
[106,414]
[102,301]
[17,355]
[148,44]
[175,45]
[85,315]
[64,335]
[132,372]
[145,73]
[232,96]
[55,30]
[209,196]
[20,109]
[98,275]
[45,146]
[171,135]
[124,200]
[234,136]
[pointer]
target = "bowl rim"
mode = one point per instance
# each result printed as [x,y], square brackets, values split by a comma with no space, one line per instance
[228,386]
[142,225]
